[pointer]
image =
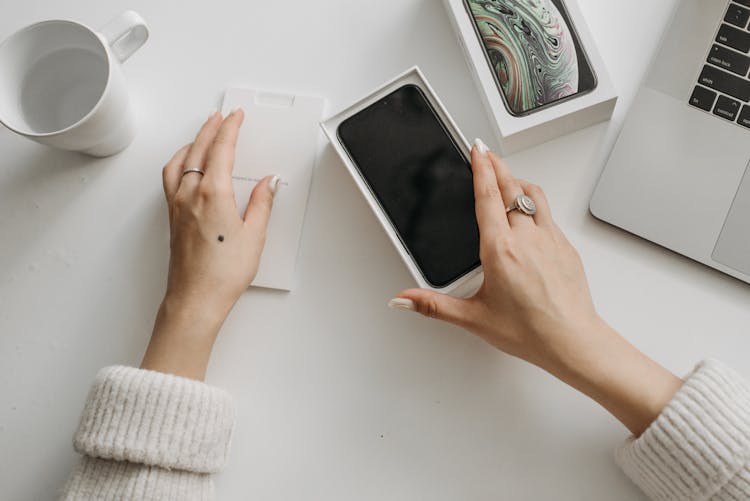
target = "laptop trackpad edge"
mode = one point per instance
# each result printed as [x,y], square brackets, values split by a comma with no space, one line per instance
[733,247]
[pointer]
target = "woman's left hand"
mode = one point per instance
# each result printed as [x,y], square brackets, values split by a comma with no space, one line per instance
[215,253]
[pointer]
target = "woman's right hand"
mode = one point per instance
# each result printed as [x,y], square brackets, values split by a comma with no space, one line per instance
[535,302]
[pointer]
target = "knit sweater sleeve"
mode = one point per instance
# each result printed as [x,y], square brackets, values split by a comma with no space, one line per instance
[146,435]
[699,447]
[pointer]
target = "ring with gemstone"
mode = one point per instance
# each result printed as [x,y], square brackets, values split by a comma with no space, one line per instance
[524,205]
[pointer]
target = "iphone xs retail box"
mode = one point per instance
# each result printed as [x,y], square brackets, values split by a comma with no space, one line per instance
[536,66]
[411,163]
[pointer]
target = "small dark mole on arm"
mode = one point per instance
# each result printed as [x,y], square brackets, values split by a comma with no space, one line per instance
[221,238]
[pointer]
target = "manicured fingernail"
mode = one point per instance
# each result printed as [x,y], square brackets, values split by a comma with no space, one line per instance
[480,146]
[273,184]
[212,113]
[400,303]
[238,108]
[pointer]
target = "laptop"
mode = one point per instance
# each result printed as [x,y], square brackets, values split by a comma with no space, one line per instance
[679,174]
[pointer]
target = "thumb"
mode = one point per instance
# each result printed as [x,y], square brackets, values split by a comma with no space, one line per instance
[259,207]
[433,304]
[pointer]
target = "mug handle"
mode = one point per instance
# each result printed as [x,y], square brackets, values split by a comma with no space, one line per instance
[125,34]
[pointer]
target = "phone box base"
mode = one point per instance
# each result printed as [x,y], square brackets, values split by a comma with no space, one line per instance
[515,133]
[469,283]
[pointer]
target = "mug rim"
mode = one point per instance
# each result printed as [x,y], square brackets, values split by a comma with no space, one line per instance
[94,108]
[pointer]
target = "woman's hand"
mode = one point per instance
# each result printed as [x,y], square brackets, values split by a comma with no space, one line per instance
[215,253]
[535,303]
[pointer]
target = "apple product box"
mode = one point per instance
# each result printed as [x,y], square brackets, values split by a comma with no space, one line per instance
[271,119]
[467,284]
[518,132]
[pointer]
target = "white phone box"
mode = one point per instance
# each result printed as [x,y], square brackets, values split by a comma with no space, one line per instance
[464,286]
[515,133]
[264,147]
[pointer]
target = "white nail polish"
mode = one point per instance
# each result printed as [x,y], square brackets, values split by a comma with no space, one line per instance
[400,303]
[238,108]
[481,147]
[273,184]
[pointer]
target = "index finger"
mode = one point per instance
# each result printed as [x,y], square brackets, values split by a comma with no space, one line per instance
[488,200]
[220,162]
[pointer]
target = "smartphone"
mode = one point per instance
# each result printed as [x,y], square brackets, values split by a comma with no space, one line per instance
[534,52]
[421,179]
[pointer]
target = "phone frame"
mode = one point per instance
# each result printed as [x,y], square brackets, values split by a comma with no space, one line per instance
[375,195]
[573,29]
[464,286]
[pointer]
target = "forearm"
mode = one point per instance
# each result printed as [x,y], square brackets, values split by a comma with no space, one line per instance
[611,371]
[183,338]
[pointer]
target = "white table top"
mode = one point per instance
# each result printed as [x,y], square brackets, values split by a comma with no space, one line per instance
[338,397]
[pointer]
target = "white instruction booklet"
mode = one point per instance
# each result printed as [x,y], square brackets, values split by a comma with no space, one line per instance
[280,136]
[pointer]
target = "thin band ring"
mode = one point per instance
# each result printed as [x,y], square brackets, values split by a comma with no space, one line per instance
[523,204]
[197,171]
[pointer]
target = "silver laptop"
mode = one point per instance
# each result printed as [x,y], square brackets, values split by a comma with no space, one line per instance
[679,173]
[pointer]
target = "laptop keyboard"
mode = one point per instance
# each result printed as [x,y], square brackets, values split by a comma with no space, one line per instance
[723,85]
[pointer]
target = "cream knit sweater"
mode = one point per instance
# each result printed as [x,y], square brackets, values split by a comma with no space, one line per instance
[147,436]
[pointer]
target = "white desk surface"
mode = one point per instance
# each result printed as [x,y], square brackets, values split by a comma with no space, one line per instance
[338,397]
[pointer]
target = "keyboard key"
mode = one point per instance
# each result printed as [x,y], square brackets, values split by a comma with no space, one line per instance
[737,15]
[703,98]
[727,108]
[734,38]
[746,3]
[729,60]
[725,82]
[745,116]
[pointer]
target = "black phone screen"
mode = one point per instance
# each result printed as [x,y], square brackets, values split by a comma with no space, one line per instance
[534,51]
[421,179]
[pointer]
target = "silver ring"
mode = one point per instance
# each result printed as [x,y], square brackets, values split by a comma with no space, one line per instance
[197,171]
[524,205]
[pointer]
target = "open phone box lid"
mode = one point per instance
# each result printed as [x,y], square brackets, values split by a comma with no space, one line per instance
[518,133]
[469,283]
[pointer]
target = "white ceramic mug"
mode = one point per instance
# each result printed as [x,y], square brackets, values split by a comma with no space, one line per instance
[61,84]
